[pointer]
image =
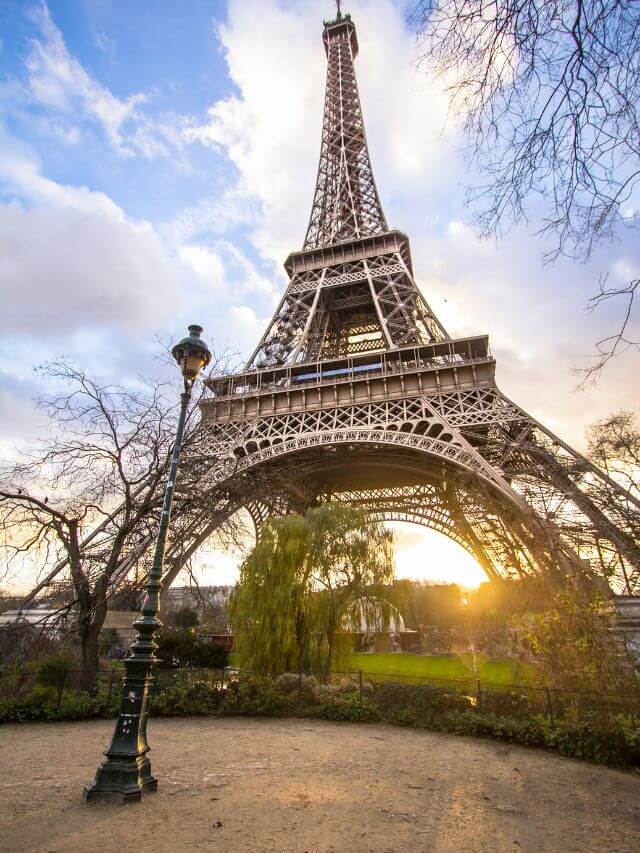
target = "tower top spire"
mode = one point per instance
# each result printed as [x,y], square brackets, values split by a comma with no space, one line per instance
[346,205]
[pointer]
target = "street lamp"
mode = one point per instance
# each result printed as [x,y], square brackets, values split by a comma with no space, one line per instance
[126,773]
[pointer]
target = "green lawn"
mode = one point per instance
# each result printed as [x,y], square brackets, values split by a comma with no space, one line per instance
[506,671]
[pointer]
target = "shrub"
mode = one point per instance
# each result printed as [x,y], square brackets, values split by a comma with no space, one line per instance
[13,680]
[190,650]
[256,697]
[617,745]
[403,703]
[292,684]
[347,708]
[614,741]
[505,704]
[46,703]
[196,697]
[51,670]
[287,682]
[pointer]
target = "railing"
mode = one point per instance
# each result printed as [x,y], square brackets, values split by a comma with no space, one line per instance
[317,687]
[292,378]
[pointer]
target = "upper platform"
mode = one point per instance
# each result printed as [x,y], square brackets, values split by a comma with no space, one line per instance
[359,249]
[341,30]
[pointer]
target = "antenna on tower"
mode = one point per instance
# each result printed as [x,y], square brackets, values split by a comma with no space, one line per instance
[339,17]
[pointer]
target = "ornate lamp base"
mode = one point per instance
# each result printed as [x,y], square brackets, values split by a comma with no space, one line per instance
[126,772]
[121,781]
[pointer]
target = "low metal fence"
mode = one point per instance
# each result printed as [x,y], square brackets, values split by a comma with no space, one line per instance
[308,687]
[520,699]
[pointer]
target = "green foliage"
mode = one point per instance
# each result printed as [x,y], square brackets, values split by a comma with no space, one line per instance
[347,709]
[303,686]
[614,740]
[574,644]
[403,702]
[258,698]
[308,579]
[51,670]
[46,703]
[522,595]
[508,703]
[429,604]
[615,745]
[186,618]
[108,638]
[183,696]
[190,650]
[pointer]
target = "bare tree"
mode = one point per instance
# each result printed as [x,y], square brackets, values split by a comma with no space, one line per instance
[87,494]
[548,96]
[614,445]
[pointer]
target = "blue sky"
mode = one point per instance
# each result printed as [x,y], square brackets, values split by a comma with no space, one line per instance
[157,162]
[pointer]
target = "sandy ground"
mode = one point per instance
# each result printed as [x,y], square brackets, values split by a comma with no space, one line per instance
[299,785]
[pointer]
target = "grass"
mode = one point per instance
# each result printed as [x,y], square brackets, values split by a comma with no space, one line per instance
[506,671]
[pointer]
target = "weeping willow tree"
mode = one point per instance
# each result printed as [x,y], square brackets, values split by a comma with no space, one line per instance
[309,582]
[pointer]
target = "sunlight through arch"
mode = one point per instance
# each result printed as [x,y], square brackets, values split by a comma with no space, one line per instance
[421,554]
[424,554]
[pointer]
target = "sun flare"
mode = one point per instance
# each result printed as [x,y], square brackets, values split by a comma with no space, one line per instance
[425,555]
[420,554]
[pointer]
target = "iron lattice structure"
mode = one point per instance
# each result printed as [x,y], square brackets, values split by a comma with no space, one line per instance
[357,393]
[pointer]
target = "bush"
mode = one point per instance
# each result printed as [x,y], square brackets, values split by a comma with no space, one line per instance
[196,697]
[505,704]
[287,682]
[348,709]
[618,745]
[406,703]
[51,670]
[257,697]
[190,650]
[615,741]
[46,703]
[13,680]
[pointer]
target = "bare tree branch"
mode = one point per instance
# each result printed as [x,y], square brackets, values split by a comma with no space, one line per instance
[548,95]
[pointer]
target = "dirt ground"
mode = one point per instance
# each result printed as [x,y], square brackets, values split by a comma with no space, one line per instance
[297,785]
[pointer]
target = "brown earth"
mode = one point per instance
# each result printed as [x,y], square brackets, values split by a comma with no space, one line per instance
[299,785]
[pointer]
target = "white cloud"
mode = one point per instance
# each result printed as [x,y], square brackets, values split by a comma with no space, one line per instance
[213,216]
[245,325]
[21,175]
[64,269]
[58,82]
[204,262]
[70,258]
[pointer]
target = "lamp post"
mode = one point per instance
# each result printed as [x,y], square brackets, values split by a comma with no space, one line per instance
[126,773]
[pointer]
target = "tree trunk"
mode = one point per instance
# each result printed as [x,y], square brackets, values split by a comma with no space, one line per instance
[90,627]
[90,656]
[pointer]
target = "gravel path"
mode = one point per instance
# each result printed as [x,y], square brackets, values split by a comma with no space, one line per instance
[299,785]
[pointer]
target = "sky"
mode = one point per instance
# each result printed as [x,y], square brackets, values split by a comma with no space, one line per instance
[157,165]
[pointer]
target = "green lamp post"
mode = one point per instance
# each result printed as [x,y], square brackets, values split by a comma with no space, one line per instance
[126,773]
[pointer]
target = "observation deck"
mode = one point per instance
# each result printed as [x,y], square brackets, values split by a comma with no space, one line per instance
[390,374]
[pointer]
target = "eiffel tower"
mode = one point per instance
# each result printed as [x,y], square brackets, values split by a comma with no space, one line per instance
[356,392]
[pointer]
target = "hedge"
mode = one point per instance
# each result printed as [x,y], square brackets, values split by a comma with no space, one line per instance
[615,743]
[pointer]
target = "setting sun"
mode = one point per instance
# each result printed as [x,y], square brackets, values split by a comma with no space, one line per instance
[421,554]
[425,555]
